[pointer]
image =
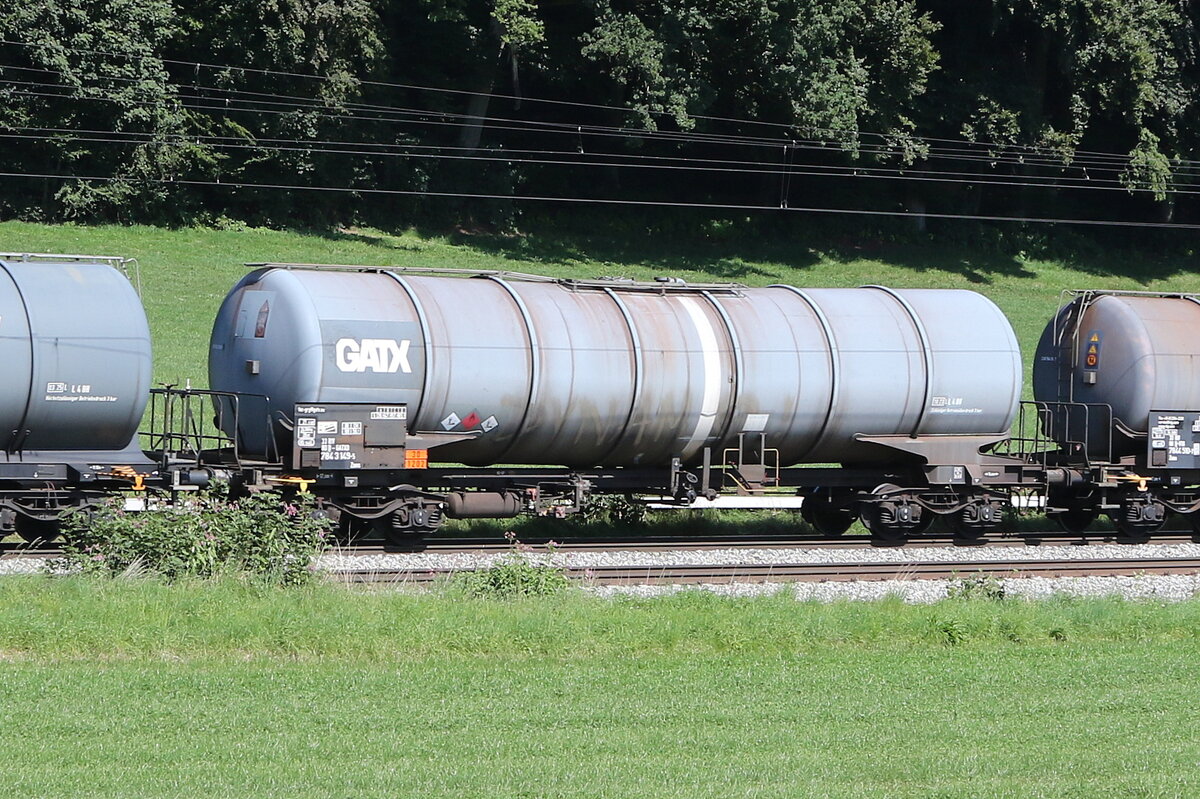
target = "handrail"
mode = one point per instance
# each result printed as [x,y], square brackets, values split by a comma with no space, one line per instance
[183,431]
[115,261]
[1082,432]
[662,284]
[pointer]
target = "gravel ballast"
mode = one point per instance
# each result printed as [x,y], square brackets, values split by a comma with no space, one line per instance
[19,565]
[1162,587]
[424,561]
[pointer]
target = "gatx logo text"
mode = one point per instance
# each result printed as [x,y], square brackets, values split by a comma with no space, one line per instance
[372,355]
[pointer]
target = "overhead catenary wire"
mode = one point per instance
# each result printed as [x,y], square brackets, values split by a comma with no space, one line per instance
[1036,156]
[404,115]
[1033,149]
[458,118]
[505,153]
[192,99]
[611,201]
[217,105]
[786,172]
[189,137]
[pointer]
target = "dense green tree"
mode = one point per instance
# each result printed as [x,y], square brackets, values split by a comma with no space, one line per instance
[1065,77]
[434,95]
[821,70]
[828,68]
[296,69]
[86,65]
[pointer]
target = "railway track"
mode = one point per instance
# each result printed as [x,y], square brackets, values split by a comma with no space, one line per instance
[818,572]
[481,545]
[690,543]
[11,551]
[784,567]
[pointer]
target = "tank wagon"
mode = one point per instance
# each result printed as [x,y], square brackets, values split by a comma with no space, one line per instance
[1116,377]
[870,402]
[401,397]
[76,353]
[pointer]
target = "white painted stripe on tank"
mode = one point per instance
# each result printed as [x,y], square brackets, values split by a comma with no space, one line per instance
[710,403]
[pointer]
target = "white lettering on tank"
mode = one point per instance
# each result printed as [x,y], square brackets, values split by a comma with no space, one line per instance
[372,354]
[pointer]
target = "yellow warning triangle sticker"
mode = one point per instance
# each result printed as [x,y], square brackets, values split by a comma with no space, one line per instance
[1095,337]
[1092,350]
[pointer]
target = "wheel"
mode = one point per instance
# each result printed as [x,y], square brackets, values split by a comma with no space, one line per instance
[404,537]
[975,521]
[1075,520]
[823,515]
[410,524]
[887,538]
[1193,520]
[398,532]
[1137,521]
[893,517]
[351,529]
[33,530]
[923,525]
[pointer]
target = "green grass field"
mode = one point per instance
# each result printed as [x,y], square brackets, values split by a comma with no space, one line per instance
[135,688]
[132,688]
[186,273]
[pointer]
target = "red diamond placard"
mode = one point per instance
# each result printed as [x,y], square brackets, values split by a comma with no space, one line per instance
[471,420]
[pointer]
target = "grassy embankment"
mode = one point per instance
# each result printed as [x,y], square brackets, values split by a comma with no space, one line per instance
[138,689]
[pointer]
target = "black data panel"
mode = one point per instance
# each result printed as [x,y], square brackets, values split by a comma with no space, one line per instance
[349,435]
[1174,440]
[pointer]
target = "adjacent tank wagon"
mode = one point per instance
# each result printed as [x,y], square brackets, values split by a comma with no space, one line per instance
[1117,379]
[75,347]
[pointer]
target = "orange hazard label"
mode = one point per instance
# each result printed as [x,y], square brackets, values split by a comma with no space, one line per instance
[416,459]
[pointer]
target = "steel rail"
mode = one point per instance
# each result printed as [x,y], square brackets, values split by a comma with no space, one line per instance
[759,541]
[692,574]
[668,543]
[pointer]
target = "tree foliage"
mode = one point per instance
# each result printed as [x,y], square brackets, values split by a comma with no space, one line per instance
[429,95]
[92,66]
[828,69]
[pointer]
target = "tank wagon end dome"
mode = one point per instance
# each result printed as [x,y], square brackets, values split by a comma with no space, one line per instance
[1132,351]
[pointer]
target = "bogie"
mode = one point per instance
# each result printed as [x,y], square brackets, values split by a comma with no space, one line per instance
[1138,518]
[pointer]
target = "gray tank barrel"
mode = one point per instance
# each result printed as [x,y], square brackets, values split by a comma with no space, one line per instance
[76,349]
[614,374]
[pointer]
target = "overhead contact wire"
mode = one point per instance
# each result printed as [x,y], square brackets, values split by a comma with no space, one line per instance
[615,202]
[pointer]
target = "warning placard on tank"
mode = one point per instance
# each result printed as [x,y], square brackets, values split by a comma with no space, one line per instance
[344,435]
[1174,440]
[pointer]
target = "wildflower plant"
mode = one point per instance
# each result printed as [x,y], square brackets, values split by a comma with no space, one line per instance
[519,573]
[612,509]
[261,535]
